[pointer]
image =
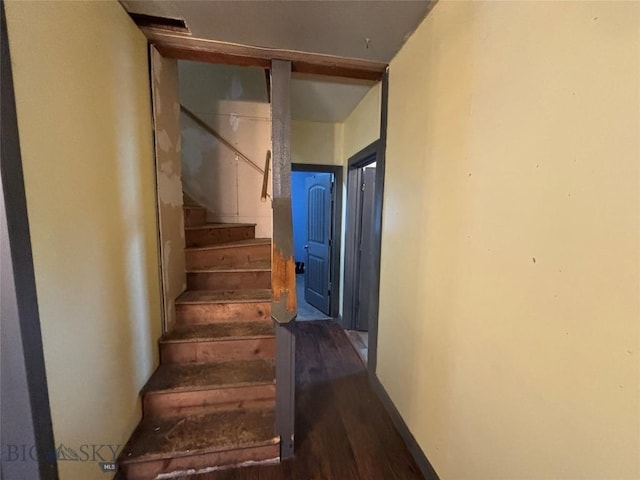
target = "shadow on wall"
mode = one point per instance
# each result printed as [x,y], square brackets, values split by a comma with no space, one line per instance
[228,100]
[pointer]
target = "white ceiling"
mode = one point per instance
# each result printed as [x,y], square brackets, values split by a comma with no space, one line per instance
[325,99]
[338,27]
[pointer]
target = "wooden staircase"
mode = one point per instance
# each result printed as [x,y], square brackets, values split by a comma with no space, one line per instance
[211,402]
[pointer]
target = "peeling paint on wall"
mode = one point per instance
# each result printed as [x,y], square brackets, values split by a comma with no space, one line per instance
[169,182]
[234,121]
[169,186]
[164,142]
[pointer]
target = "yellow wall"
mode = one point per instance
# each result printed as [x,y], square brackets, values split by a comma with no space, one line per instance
[83,103]
[316,143]
[362,127]
[509,310]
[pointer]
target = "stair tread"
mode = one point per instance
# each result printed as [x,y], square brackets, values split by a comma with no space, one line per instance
[224,296]
[219,331]
[238,243]
[159,438]
[220,225]
[201,376]
[264,266]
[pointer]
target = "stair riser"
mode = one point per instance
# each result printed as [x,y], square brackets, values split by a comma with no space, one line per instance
[172,404]
[228,280]
[194,217]
[149,470]
[218,351]
[222,312]
[228,256]
[203,237]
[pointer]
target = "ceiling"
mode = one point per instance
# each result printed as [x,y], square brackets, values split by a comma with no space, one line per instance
[365,29]
[325,99]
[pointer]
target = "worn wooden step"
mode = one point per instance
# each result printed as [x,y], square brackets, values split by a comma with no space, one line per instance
[222,306]
[180,444]
[243,252]
[218,342]
[195,388]
[252,276]
[194,216]
[217,233]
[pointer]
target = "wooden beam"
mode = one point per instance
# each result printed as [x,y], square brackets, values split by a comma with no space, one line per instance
[283,280]
[185,47]
[284,308]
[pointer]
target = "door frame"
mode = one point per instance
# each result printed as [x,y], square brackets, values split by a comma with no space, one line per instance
[373,152]
[364,157]
[336,228]
[24,392]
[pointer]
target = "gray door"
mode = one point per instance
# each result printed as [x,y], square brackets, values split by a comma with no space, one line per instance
[363,286]
[316,272]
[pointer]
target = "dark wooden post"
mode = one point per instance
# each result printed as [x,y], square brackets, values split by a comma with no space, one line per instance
[24,394]
[283,276]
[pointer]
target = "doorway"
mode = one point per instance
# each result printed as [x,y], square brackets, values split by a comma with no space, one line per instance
[317,205]
[361,248]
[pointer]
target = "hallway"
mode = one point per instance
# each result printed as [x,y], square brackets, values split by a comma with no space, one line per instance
[342,429]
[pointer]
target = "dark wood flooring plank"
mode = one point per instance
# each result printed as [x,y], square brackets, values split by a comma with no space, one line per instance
[377,455]
[343,431]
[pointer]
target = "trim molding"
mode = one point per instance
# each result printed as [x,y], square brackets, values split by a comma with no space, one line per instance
[416,452]
[374,306]
[185,47]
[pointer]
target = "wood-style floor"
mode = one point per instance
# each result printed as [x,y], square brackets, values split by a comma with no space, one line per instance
[343,431]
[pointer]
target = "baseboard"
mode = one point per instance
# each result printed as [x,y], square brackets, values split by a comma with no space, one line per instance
[418,455]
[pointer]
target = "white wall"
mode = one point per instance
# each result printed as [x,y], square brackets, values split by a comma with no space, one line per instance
[233,101]
[509,305]
[83,102]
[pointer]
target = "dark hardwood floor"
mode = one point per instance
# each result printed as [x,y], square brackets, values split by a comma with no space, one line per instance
[343,431]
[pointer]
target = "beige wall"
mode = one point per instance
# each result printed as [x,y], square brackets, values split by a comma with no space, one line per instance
[362,127]
[82,93]
[316,143]
[233,101]
[509,287]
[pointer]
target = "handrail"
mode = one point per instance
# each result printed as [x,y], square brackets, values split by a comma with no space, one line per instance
[265,178]
[222,140]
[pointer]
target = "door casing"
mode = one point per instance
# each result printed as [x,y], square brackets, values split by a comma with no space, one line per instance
[24,392]
[377,149]
[361,159]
